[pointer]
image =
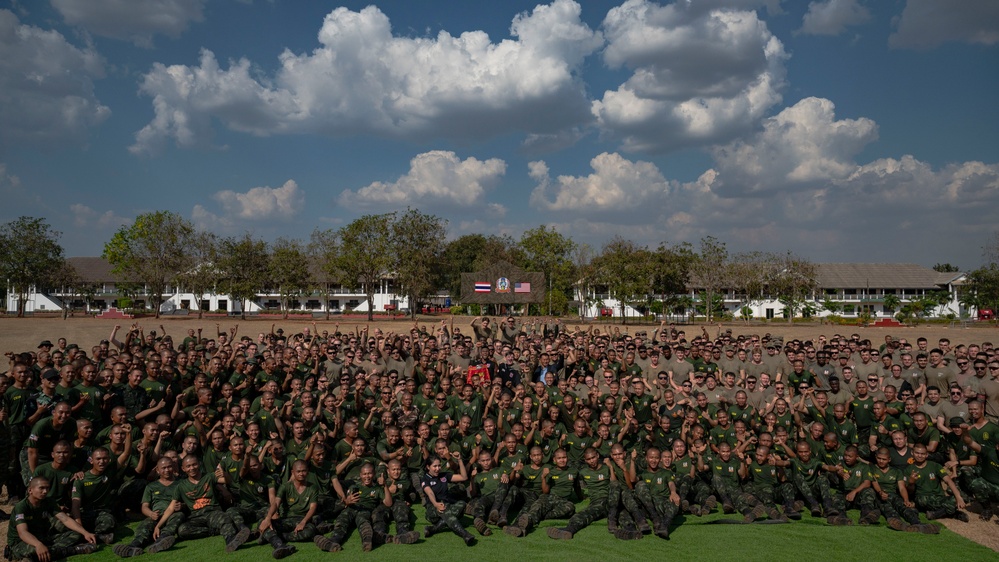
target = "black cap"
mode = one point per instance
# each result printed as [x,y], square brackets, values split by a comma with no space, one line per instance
[955,421]
[45,343]
[50,374]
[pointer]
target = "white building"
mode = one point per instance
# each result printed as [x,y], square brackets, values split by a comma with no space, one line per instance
[856,287]
[100,289]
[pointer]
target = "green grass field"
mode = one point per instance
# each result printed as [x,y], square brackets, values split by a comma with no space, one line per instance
[694,539]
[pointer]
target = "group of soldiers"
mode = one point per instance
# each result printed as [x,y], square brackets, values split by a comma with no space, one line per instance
[308,437]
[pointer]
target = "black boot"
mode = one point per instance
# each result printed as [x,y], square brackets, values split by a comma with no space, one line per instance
[281,548]
[235,541]
[612,519]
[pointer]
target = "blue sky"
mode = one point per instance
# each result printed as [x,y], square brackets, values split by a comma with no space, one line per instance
[843,130]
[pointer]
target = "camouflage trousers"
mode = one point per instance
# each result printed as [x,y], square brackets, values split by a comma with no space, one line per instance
[207,522]
[984,491]
[658,506]
[618,496]
[947,505]
[694,490]
[285,528]
[144,531]
[400,512]
[450,518]
[349,519]
[101,521]
[499,501]
[894,508]
[244,516]
[547,506]
[754,494]
[815,493]
[57,543]
[866,501]
[730,492]
[594,512]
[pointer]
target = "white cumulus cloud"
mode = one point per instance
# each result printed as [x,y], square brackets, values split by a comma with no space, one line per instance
[439,177]
[832,17]
[925,24]
[363,79]
[46,85]
[803,145]
[132,20]
[615,184]
[256,205]
[699,76]
[84,216]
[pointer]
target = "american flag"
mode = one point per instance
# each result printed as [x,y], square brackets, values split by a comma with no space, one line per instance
[482,287]
[521,287]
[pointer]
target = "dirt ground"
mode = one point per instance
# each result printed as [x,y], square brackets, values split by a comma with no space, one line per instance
[24,334]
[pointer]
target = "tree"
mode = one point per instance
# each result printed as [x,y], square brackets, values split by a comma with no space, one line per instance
[548,251]
[201,272]
[945,268]
[288,269]
[671,265]
[625,269]
[749,275]
[833,307]
[366,254]
[711,271]
[891,303]
[582,260]
[418,247]
[242,267]
[323,249]
[29,254]
[152,250]
[68,279]
[791,280]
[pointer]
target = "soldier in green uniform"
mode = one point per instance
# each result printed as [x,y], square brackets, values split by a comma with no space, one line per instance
[44,435]
[927,480]
[362,498]
[892,496]
[855,485]
[59,473]
[490,487]
[196,495]
[596,477]
[155,500]
[656,490]
[290,516]
[762,478]
[806,473]
[724,471]
[93,497]
[559,486]
[986,486]
[398,486]
[33,533]
[17,407]
[624,523]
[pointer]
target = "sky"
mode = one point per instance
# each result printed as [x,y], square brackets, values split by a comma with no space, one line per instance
[841,130]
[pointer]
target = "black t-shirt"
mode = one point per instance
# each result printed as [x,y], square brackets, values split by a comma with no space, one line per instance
[439,485]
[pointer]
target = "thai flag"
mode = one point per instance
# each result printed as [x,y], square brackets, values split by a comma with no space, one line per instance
[521,287]
[482,287]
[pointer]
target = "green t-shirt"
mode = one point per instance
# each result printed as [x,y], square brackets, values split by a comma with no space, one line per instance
[597,481]
[562,482]
[38,519]
[887,479]
[532,478]
[196,495]
[94,491]
[808,471]
[488,482]
[371,496]
[726,470]
[657,481]
[158,495]
[988,461]
[253,492]
[855,476]
[60,481]
[763,474]
[294,503]
[928,478]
